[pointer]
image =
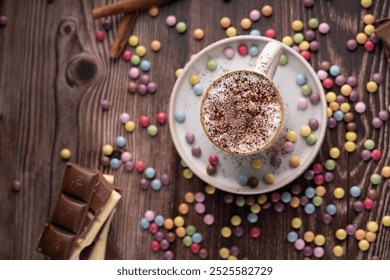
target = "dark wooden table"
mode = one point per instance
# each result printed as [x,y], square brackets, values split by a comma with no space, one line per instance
[54,74]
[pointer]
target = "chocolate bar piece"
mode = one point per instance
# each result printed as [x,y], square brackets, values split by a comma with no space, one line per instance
[382,30]
[67,221]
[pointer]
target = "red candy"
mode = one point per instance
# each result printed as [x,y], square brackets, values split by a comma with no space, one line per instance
[318,168]
[319,179]
[270,33]
[213,159]
[154,245]
[376,154]
[153,228]
[99,36]
[195,248]
[275,197]
[144,121]
[242,50]
[126,55]
[255,232]
[139,166]
[368,203]
[369,46]
[161,118]
[327,83]
[306,55]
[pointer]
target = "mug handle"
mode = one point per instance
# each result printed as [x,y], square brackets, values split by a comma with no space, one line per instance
[268,59]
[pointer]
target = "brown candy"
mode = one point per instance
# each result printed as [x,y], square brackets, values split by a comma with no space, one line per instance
[372,194]
[16,185]
[253,182]
[203,253]
[325,65]
[351,126]
[211,169]
[348,117]
[170,236]
[132,87]
[105,161]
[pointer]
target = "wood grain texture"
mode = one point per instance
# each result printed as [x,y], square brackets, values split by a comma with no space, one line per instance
[53,75]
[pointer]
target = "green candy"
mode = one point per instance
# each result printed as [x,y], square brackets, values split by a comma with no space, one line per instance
[330,164]
[317,201]
[181,27]
[284,59]
[369,144]
[375,179]
[311,139]
[135,60]
[190,230]
[306,90]
[298,38]
[152,130]
[313,23]
[212,64]
[187,241]
[183,164]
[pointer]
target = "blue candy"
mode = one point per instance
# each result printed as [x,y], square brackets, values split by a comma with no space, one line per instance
[309,208]
[292,236]
[156,184]
[286,197]
[115,163]
[255,32]
[355,191]
[243,180]
[180,117]
[198,89]
[150,172]
[145,65]
[120,141]
[301,79]
[331,209]
[144,223]
[197,237]
[334,70]
[252,218]
[338,115]
[310,192]
[254,50]
[159,220]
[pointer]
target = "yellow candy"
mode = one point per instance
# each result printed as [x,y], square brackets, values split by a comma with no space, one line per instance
[194,79]
[296,223]
[320,191]
[319,240]
[255,208]
[371,86]
[209,189]
[330,97]
[155,45]
[287,40]
[369,19]
[329,112]
[224,253]
[370,236]
[178,72]
[226,232]
[304,45]
[235,220]
[179,221]
[294,161]
[334,153]
[291,136]
[345,107]
[386,221]
[181,232]
[350,146]
[360,234]
[261,199]
[232,258]
[140,50]
[107,150]
[189,197]
[198,34]
[385,172]
[364,245]
[231,32]
[269,178]
[361,38]
[183,208]
[338,193]
[168,223]
[188,174]
[246,23]
[338,251]
[297,25]
[341,234]
[350,136]
[369,29]
[129,126]
[308,236]
[257,164]
[366,3]
[225,22]
[65,154]
[346,90]
[133,41]
[305,130]
[372,226]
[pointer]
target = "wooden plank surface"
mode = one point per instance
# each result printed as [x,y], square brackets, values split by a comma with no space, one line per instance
[53,75]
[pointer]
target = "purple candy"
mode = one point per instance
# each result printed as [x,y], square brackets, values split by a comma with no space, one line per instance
[340,80]
[323,28]
[296,48]
[326,219]
[164,244]
[318,252]
[314,98]
[250,200]
[151,87]
[340,99]
[352,81]
[383,115]
[313,124]
[158,236]
[234,250]
[200,208]
[296,189]
[374,38]
[129,166]
[309,175]
[310,35]
[302,103]
[332,123]
[254,15]
[105,104]
[144,79]
[190,137]
[124,118]
[228,53]
[304,200]
[126,156]
[200,197]
[360,107]
[228,198]
[238,231]
[322,74]
[358,206]
[314,46]
[307,251]
[329,177]
[377,78]
[208,219]
[299,244]
[143,184]
[308,3]
[196,151]
[171,21]
[350,229]
[354,96]
[165,179]
[365,155]
[107,24]
[141,89]
[276,160]
[351,45]
[279,207]
[134,73]
[377,122]
[288,146]
[3,21]
[267,205]
[168,255]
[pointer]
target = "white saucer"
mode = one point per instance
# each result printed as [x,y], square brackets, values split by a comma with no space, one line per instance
[230,167]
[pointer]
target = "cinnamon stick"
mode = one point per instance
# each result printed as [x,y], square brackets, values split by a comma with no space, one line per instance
[125,6]
[123,32]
